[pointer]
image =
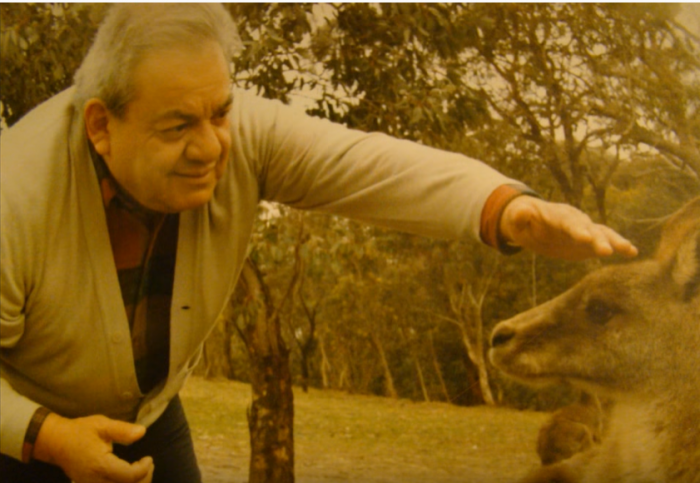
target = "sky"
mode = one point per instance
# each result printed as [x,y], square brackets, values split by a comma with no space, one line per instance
[689,17]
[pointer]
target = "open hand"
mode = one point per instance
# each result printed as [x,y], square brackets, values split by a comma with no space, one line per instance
[559,231]
[82,447]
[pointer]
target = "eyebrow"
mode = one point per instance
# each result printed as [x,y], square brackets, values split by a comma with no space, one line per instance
[187,117]
[226,105]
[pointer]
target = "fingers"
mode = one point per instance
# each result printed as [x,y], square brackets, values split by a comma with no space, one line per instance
[560,231]
[600,240]
[119,471]
[149,476]
[116,469]
[120,431]
[619,244]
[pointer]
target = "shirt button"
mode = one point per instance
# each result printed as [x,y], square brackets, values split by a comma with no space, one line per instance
[126,395]
[116,338]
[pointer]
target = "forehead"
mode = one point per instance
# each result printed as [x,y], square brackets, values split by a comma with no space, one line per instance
[181,78]
[624,280]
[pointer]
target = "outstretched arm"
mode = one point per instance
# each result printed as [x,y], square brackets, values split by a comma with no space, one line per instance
[559,231]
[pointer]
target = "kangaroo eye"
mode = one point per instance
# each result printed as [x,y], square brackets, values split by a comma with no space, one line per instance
[600,312]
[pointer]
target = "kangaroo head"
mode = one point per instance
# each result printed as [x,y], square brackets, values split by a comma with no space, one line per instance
[626,329]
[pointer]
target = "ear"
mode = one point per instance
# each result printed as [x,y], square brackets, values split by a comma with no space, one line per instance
[97,118]
[686,267]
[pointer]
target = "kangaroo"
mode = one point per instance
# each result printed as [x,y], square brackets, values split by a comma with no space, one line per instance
[630,333]
[571,430]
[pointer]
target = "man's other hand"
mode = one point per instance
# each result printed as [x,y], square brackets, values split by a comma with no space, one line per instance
[559,231]
[82,447]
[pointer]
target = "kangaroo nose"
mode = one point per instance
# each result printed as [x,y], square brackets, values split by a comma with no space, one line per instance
[501,335]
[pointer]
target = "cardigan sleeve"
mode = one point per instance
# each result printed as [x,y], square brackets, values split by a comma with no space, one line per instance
[311,163]
[16,411]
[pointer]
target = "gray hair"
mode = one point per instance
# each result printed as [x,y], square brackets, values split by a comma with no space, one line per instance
[130,31]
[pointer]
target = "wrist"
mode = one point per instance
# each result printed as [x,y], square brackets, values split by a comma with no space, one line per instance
[493,226]
[506,222]
[515,217]
[33,429]
[44,446]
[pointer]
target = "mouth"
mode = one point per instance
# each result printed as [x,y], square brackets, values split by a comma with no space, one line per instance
[529,369]
[523,369]
[196,179]
[194,175]
[515,365]
[499,359]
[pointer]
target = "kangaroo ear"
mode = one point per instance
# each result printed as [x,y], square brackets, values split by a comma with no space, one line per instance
[686,266]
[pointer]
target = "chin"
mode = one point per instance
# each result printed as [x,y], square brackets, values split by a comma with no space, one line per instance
[188,203]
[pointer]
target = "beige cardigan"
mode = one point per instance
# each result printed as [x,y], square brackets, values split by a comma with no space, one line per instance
[65,341]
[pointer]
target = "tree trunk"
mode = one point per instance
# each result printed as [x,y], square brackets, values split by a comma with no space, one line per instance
[271,414]
[305,370]
[472,397]
[413,351]
[388,378]
[438,371]
[325,364]
[467,307]
[271,420]
[421,379]
[307,346]
[476,355]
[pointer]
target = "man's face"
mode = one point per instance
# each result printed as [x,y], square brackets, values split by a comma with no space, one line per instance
[170,148]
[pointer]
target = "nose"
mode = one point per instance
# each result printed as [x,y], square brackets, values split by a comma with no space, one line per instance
[206,145]
[501,335]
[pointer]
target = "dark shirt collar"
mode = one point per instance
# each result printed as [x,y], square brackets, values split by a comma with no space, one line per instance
[113,193]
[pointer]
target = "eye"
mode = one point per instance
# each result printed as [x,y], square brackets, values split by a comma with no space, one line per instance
[600,312]
[174,133]
[179,128]
[221,116]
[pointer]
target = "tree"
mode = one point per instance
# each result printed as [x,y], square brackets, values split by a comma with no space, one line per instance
[271,414]
[395,68]
[572,78]
[527,67]
[467,283]
[647,81]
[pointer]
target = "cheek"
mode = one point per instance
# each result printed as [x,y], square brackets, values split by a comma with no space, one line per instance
[121,154]
[225,140]
[161,159]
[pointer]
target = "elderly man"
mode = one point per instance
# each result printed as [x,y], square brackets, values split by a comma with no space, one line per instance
[127,206]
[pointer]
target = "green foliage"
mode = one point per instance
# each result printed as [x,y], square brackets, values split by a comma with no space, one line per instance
[274,55]
[398,68]
[42,46]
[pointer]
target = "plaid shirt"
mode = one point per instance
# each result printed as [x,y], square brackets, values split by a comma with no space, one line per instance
[144,245]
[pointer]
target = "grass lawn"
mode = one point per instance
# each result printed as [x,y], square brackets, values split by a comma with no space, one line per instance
[366,439]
